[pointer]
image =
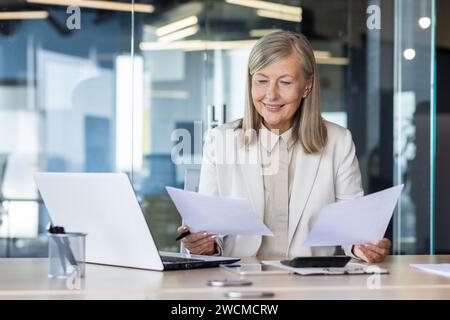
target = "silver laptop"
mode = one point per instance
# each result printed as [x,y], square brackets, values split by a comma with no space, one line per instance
[104,206]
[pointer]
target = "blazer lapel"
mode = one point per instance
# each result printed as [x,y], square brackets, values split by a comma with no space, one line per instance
[251,173]
[306,169]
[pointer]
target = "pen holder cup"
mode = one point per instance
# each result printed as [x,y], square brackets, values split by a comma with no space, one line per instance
[66,254]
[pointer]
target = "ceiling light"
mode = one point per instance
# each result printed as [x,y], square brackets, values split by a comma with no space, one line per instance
[424,22]
[266,5]
[177,25]
[20,15]
[322,57]
[196,45]
[256,33]
[102,5]
[279,15]
[322,54]
[181,34]
[409,54]
[337,61]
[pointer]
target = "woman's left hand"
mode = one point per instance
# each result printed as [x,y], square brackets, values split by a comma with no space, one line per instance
[373,253]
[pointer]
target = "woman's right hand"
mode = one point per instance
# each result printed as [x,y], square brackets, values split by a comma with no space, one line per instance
[199,242]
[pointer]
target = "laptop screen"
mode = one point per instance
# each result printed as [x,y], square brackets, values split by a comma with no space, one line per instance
[104,206]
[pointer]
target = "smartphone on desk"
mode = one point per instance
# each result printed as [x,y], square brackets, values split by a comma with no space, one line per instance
[254,269]
[249,294]
[228,282]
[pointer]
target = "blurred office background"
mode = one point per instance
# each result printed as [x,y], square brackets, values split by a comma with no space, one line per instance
[105,91]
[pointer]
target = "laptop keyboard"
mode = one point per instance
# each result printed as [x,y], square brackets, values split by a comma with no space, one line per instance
[178,259]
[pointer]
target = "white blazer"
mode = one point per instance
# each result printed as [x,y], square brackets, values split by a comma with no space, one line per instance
[320,179]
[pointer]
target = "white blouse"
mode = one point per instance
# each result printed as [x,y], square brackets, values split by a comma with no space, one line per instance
[278,162]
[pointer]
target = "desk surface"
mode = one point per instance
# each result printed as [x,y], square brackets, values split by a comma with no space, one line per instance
[27,279]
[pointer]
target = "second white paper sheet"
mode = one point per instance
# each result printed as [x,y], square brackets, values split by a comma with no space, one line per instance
[358,221]
[217,215]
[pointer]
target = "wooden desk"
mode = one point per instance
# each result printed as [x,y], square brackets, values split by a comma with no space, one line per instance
[27,279]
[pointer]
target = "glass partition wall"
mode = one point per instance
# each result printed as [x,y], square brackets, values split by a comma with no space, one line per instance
[414,125]
[133,87]
[64,82]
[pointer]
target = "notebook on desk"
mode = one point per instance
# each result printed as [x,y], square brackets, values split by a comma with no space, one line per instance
[104,206]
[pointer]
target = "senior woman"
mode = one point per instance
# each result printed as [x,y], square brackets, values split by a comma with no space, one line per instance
[294,164]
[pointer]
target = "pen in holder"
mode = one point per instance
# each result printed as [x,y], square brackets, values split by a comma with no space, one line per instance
[66,253]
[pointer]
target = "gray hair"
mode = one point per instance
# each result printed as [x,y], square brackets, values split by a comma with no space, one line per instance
[308,128]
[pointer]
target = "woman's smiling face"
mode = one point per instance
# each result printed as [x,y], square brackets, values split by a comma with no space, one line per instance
[277,90]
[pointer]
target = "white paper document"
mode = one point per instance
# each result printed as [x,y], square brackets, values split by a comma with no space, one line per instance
[358,221]
[442,269]
[217,215]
